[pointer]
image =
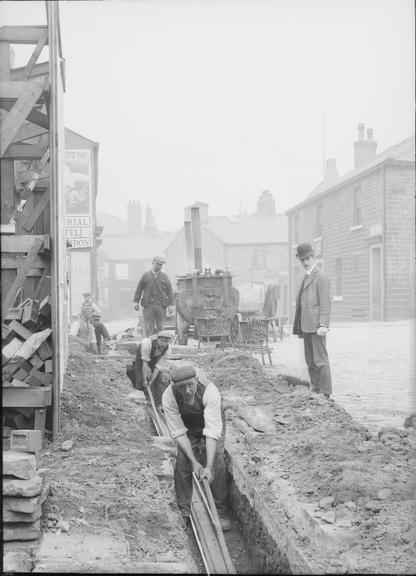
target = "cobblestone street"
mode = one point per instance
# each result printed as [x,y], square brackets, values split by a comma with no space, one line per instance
[372,369]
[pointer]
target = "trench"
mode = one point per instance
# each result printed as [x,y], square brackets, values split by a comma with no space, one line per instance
[251,543]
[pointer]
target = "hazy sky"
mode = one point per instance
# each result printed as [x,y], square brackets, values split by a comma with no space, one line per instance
[217,100]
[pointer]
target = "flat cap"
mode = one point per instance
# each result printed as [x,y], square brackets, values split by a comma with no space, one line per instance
[165,334]
[182,373]
[159,259]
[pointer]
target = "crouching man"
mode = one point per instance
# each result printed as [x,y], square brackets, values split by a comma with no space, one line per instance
[192,409]
[151,365]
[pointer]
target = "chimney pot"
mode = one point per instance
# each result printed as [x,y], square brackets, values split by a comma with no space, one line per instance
[361,128]
[370,134]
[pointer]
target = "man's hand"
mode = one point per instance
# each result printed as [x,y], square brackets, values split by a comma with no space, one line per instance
[137,306]
[198,469]
[208,473]
[322,330]
[147,373]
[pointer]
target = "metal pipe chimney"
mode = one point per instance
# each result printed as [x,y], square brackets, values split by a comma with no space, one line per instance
[196,235]
[188,242]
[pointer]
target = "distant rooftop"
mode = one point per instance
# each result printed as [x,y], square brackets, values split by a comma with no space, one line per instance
[249,229]
[124,247]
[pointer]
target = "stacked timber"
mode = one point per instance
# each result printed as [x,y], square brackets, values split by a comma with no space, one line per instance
[26,356]
[24,488]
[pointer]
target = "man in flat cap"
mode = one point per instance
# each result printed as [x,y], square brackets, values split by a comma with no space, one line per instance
[192,408]
[151,365]
[154,292]
[313,308]
[88,307]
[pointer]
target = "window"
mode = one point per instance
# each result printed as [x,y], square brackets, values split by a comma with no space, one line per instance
[356,207]
[338,277]
[122,271]
[319,220]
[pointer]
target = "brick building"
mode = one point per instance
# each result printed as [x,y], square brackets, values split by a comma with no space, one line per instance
[362,227]
[253,247]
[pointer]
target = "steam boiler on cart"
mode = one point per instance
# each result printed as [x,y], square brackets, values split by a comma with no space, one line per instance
[205,300]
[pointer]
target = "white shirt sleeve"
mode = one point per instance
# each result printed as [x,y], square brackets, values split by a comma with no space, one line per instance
[173,418]
[212,412]
[146,349]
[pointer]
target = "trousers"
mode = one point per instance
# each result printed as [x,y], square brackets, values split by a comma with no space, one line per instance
[183,475]
[154,317]
[317,360]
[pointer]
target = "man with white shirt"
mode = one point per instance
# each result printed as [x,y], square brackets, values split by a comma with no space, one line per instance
[313,308]
[192,408]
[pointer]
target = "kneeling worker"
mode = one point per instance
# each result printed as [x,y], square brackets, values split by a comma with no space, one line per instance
[192,409]
[151,365]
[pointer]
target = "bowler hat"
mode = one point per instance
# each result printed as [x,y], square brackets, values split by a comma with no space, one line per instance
[159,259]
[182,373]
[304,250]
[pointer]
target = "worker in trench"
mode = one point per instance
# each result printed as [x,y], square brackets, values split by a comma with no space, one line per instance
[151,366]
[194,416]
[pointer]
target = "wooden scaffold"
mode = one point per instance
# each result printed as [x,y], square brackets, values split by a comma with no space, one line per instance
[33,246]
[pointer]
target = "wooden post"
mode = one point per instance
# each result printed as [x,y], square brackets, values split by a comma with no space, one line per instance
[196,234]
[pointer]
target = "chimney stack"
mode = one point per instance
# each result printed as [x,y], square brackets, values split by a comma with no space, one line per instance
[134,218]
[364,150]
[331,172]
[266,205]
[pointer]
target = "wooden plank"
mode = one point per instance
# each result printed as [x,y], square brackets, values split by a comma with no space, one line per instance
[45,306]
[30,315]
[36,362]
[13,262]
[23,151]
[40,207]
[14,314]
[16,383]
[18,114]
[28,131]
[5,72]
[36,53]
[22,243]
[45,350]
[26,397]
[40,69]
[7,190]
[10,349]
[13,89]
[44,286]
[20,330]
[7,334]
[21,275]
[48,365]
[35,116]
[36,378]
[22,34]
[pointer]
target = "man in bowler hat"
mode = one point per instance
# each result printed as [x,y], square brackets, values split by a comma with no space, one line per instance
[313,307]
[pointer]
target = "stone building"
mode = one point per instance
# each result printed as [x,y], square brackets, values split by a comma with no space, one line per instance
[253,247]
[362,227]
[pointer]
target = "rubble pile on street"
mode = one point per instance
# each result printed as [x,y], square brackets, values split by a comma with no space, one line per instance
[24,487]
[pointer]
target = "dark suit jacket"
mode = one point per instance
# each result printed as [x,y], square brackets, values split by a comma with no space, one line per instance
[313,303]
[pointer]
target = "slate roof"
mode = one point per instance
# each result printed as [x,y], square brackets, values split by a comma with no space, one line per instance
[403,151]
[249,229]
[134,247]
[112,224]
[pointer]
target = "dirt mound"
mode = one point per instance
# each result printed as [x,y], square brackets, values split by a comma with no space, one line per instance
[324,453]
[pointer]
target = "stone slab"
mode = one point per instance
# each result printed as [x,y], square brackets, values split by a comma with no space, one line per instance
[26,440]
[25,505]
[72,566]
[21,531]
[17,562]
[11,516]
[19,464]
[17,487]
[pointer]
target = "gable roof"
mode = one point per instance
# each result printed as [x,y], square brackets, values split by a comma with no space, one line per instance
[134,247]
[249,229]
[112,224]
[403,151]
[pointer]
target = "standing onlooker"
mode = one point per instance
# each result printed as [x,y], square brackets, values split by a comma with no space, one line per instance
[85,330]
[155,291]
[88,307]
[101,332]
[313,307]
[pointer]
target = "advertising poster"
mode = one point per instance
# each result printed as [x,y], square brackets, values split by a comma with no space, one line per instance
[78,201]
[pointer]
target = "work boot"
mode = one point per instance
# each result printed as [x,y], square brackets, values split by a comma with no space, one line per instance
[225,524]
